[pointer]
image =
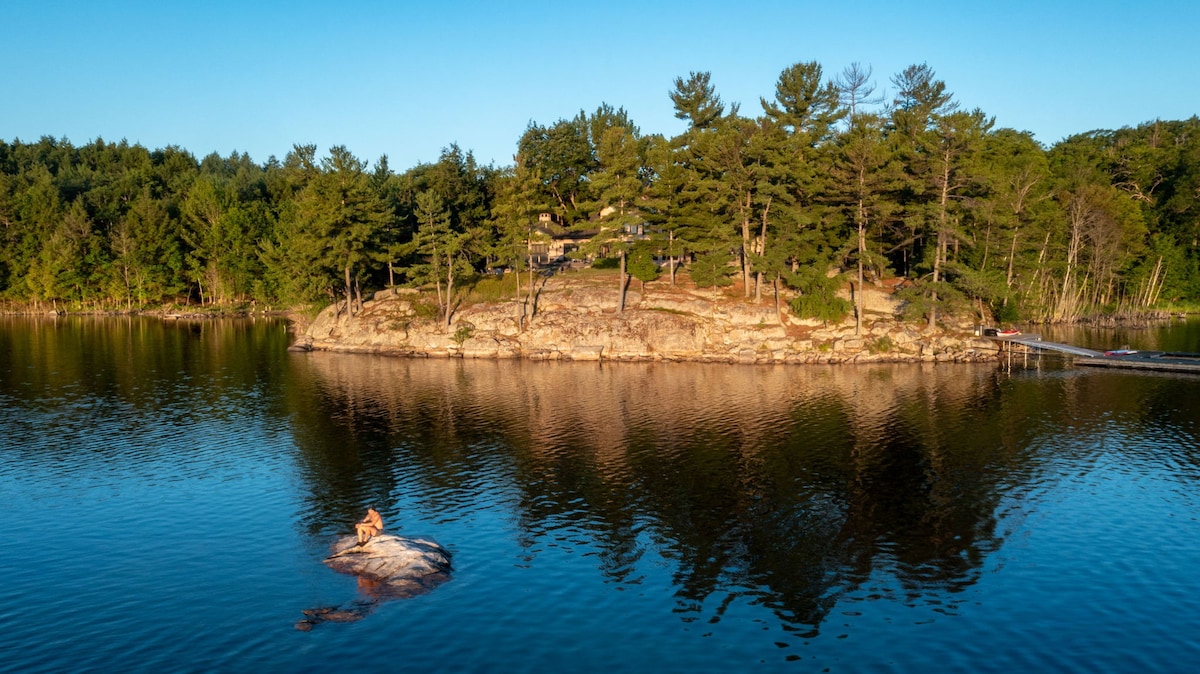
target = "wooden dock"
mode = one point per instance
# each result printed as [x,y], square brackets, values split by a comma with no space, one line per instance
[1161,361]
[1035,342]
[1146,360]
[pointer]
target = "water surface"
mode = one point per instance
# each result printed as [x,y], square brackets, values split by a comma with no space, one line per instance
[170,488]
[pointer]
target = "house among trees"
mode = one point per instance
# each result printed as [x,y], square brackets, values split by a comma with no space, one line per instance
[552,242]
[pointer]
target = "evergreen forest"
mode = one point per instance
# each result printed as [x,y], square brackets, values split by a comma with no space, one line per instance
[824,185]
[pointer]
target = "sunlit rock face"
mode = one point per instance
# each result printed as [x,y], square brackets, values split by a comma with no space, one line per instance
[573,319]
[387,567]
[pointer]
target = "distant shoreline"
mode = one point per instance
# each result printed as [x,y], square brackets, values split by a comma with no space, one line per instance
[584,328]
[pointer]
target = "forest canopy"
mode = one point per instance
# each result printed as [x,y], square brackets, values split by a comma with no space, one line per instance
[825,183]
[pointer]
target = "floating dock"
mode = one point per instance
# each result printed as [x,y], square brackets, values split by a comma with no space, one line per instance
[1162,361]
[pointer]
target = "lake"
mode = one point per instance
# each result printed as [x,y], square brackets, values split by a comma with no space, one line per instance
[170,488]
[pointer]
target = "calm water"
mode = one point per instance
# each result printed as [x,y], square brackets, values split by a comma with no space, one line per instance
[169,491]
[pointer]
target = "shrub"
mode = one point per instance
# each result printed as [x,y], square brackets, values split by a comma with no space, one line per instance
[818,297]
[821,306]
[881,344]
[463,333]
[426,308]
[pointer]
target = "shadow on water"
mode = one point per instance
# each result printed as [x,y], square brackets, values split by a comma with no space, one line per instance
[790,488]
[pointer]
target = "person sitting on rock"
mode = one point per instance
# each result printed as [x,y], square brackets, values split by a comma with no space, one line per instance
[371,525]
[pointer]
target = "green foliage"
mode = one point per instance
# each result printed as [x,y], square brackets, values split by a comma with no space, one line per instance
[926,297]
[711,270]
[821,307]
[641,264]
[696,101]
[917,303]
[1007,313]
[818,297]
[978,218]
[560,157]
[426,308]
[805,103]
[463,333]
[881,344]
[492,288]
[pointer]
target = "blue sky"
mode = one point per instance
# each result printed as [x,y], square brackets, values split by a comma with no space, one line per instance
[409,78]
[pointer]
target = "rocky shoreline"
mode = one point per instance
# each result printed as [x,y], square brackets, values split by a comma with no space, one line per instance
[577,320]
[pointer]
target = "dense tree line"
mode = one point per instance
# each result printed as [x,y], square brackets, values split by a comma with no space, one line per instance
[830,184]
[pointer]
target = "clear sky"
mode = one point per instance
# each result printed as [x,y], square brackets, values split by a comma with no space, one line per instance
[409,78]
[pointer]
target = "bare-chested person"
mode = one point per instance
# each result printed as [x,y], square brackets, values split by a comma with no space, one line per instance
[371,525]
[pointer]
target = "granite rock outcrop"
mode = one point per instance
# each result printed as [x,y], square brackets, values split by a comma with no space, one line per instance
[577,319]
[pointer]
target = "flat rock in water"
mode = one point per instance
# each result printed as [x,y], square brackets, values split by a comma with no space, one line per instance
[401,567]
[387,567]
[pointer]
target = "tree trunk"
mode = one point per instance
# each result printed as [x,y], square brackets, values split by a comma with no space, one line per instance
[449,289]
[762,250]
[532,302]
[940,245]
[129,286]
[624,282]
[746,247]
[778,312]
[862,249]
[1012,254]
[937,268]
[520,304]
[858,292]
[437,278]
[1068,299]
[671,246]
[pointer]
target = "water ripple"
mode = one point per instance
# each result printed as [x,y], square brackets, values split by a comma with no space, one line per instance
[858,519]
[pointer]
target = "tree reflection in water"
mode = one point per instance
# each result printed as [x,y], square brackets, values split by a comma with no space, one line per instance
[787,487]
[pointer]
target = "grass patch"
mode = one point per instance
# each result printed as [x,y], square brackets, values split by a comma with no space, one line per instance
[595,273]
[493,288]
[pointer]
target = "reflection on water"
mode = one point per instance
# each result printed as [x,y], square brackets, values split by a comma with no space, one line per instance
[788,486]
[901,517]
[1167,335]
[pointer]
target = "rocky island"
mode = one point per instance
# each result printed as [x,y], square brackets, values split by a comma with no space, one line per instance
[575,317]
[387,567]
